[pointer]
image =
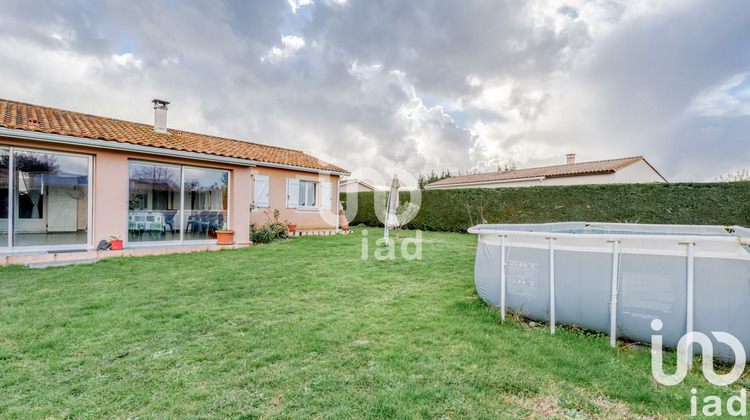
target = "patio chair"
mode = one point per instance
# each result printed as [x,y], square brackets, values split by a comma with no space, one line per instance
[169,220]
[194,224]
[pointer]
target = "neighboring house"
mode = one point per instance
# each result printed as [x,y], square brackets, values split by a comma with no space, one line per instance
[69,180]
[631,170]
[349,185]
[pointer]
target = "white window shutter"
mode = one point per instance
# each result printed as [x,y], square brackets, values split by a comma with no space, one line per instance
[261,191]
[292,193]
[327,195]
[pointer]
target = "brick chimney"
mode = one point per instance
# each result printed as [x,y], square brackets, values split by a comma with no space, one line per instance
[160,116]
[571,158]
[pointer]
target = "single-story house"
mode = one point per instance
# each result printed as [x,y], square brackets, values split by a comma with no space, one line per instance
[69,180]
[352,185]
[630,170]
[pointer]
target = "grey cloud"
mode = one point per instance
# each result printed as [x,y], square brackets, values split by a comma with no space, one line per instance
[352,93]
[439,44]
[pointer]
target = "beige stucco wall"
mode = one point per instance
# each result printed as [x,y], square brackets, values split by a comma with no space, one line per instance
[305,219]
[355,187]
[110,190]
[639,172]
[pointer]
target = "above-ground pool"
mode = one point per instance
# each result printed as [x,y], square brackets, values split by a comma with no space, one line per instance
[618,278]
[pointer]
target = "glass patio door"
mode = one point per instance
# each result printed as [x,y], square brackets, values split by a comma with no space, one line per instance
[175,203]
[44,199]
[50,199]
[4,198]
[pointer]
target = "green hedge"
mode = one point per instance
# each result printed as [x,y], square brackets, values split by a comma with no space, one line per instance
[725,203]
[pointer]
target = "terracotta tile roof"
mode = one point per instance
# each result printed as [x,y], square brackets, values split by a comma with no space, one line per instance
[557,171]
[16,115]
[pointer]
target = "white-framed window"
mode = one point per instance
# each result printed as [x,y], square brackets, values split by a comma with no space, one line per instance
[303,194]
[307,194]
[261,191]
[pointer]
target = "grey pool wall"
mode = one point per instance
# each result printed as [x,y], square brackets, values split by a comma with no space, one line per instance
[618,278]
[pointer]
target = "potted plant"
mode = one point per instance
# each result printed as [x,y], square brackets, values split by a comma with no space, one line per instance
[224,236]
[342,220]
[116,242]
[292,226]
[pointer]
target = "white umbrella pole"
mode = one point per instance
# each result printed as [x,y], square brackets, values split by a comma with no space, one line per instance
[391,207]
[386,234]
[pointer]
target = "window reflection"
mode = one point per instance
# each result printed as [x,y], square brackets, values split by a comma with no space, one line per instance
[51,199]
[4,196]
[154,202]
[205,202]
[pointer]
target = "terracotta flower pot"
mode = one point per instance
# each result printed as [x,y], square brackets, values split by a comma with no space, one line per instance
[343,222]
[224,237]
[292,228]
[116,245]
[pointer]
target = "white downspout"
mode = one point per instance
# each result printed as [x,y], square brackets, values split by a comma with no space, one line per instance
[338,204]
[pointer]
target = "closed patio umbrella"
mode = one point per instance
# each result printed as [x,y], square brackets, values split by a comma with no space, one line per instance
[391,221]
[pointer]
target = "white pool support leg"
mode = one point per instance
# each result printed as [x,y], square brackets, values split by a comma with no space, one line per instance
[502,277]
[551,285]
[690,300]
[613,297]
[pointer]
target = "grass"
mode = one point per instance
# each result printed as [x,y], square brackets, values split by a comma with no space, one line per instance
[303,328]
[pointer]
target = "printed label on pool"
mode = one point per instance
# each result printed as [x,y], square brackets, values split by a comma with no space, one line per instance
[522,277]
[649,292]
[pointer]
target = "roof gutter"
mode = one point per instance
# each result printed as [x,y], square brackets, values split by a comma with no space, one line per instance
[299,168]
[502,181]
[115,145]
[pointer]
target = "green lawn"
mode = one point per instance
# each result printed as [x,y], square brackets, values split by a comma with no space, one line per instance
[303,328]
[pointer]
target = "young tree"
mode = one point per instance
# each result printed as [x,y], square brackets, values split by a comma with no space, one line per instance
[433,177]
[741,175]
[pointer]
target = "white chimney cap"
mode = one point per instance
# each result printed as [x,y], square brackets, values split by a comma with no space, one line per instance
[160,103]
[160,116]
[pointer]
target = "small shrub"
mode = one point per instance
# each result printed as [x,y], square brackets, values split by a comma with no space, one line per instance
[271,231]
[279,231]
[263,235]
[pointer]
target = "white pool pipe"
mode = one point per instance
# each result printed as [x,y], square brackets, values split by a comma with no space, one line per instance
[502,277]
[613,297]
[552,285]
[690,299]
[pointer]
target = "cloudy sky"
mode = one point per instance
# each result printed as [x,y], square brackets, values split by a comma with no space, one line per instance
[416,85]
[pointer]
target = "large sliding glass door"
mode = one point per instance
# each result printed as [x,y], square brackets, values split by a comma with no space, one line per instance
[158,194]
[4,197]
[154,203]
[44,199]
[206,196]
